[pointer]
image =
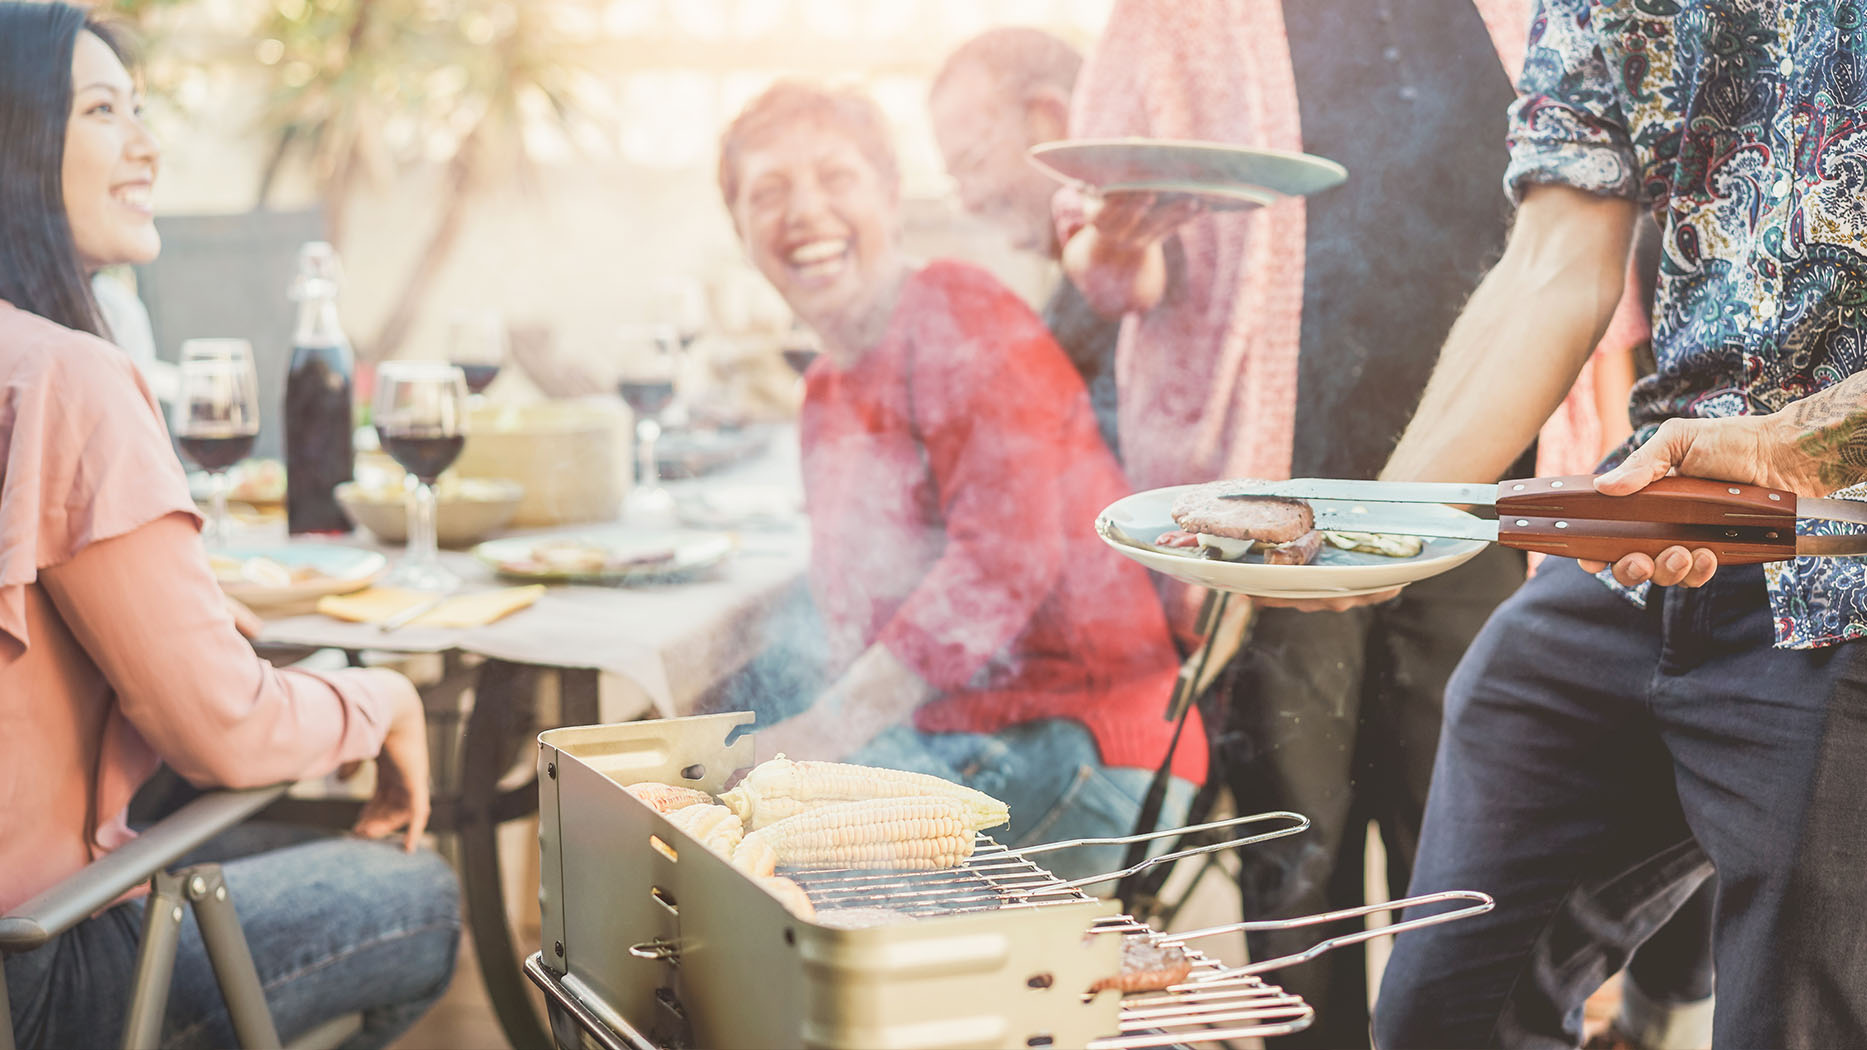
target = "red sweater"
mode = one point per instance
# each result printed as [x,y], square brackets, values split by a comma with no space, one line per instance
[953,476]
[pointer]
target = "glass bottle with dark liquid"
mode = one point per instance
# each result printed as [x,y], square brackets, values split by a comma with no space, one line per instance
[318,406]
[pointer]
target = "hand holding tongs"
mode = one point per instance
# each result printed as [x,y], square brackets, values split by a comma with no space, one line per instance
[1566,517]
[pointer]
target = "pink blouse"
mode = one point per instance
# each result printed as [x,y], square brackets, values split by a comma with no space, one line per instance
[116,648]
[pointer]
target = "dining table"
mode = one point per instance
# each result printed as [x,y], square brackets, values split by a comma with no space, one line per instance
[581,653]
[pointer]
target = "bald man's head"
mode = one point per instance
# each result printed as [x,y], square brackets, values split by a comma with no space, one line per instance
[996,96]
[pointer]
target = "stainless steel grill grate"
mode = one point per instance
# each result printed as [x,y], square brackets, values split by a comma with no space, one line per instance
[1207,1006]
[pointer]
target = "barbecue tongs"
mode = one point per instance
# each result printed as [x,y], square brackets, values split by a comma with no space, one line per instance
[1565,516]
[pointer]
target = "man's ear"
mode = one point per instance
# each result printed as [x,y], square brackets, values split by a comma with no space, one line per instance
[1046,115]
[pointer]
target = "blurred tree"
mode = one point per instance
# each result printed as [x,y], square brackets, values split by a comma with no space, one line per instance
[362,90]
[367,87]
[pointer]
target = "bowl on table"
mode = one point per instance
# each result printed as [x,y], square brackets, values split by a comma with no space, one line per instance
[466,510]
[574,456]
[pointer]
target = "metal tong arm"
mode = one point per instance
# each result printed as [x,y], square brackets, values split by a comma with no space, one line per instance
[1482,902]
[1298,823]
[1565,516]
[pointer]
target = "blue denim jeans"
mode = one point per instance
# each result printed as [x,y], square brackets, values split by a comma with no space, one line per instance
[1597,761]
[336,926]
[1051,775]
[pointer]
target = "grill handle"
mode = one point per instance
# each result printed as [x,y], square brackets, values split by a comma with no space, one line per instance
[1295,823]
[1481,903]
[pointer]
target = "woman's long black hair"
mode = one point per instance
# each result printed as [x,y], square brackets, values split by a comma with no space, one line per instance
[39,266]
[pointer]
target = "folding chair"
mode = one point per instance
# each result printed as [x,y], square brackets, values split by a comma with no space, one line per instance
[200,887]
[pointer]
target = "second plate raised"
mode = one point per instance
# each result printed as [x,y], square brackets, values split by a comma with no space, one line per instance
[1224,175]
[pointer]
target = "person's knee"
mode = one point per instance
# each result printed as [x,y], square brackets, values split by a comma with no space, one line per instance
[432,885]
[419,895]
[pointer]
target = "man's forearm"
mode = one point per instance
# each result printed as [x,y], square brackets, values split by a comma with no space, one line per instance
[1522,339]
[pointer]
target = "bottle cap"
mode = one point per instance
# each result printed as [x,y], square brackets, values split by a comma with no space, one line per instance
[319,271]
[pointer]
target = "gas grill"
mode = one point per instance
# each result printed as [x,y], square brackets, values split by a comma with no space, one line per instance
[651,939]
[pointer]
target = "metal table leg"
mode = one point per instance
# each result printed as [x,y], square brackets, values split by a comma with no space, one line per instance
[501,710]
[497,732]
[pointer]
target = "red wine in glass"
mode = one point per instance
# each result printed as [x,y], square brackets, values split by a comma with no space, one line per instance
[423,453]
[648,397]
[216,452]
[800,357]
[479,377]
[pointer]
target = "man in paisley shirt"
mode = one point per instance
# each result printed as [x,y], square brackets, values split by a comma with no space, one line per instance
[1607,746]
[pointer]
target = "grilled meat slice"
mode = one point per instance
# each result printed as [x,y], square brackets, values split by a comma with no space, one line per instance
[1300,551]
[1270,519]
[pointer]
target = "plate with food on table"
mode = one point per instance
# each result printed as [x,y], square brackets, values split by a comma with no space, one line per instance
[614,556]
[288,574]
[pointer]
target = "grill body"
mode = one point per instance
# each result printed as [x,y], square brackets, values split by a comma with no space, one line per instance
[658,931]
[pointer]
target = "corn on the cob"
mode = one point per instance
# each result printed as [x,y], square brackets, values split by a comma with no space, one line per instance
[780,788]
[903,833]
[715,827]
[666,798]
[755,856]
[789,894]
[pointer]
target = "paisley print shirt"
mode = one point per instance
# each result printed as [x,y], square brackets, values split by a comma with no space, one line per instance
[1743,125]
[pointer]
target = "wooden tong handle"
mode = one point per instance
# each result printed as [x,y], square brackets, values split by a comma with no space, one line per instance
[1681,501]
[1610,541]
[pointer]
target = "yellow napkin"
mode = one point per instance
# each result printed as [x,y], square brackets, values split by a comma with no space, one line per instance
[375,604]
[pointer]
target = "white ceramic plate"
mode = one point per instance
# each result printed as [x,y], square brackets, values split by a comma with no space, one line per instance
[1229,176]
[1131,525]
[320,569]
[692,552]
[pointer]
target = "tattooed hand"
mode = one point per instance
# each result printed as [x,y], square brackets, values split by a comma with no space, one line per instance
[1828,432]
[1812,447]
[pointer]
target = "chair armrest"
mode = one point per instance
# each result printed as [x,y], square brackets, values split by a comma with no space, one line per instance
[105,879]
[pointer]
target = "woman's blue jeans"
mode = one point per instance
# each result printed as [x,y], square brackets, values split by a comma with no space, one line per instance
[336,926]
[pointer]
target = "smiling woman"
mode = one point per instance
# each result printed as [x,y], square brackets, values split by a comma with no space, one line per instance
[941,419]
[96,531]
[110,161]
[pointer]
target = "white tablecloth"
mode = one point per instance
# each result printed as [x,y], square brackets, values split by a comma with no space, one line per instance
[670,640]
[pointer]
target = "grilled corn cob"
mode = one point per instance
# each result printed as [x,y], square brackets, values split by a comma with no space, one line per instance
[781,788]
[905,833]
[666,798]
[714,827]
[755,856]
[789,894]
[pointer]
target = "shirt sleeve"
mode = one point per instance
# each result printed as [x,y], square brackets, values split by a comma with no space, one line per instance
[147,611]
[1567,126]
[991,394]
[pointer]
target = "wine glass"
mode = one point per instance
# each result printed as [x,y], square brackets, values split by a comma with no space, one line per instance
[476,344]
[217,415]
[800,348]
[420,411]
[650,358]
